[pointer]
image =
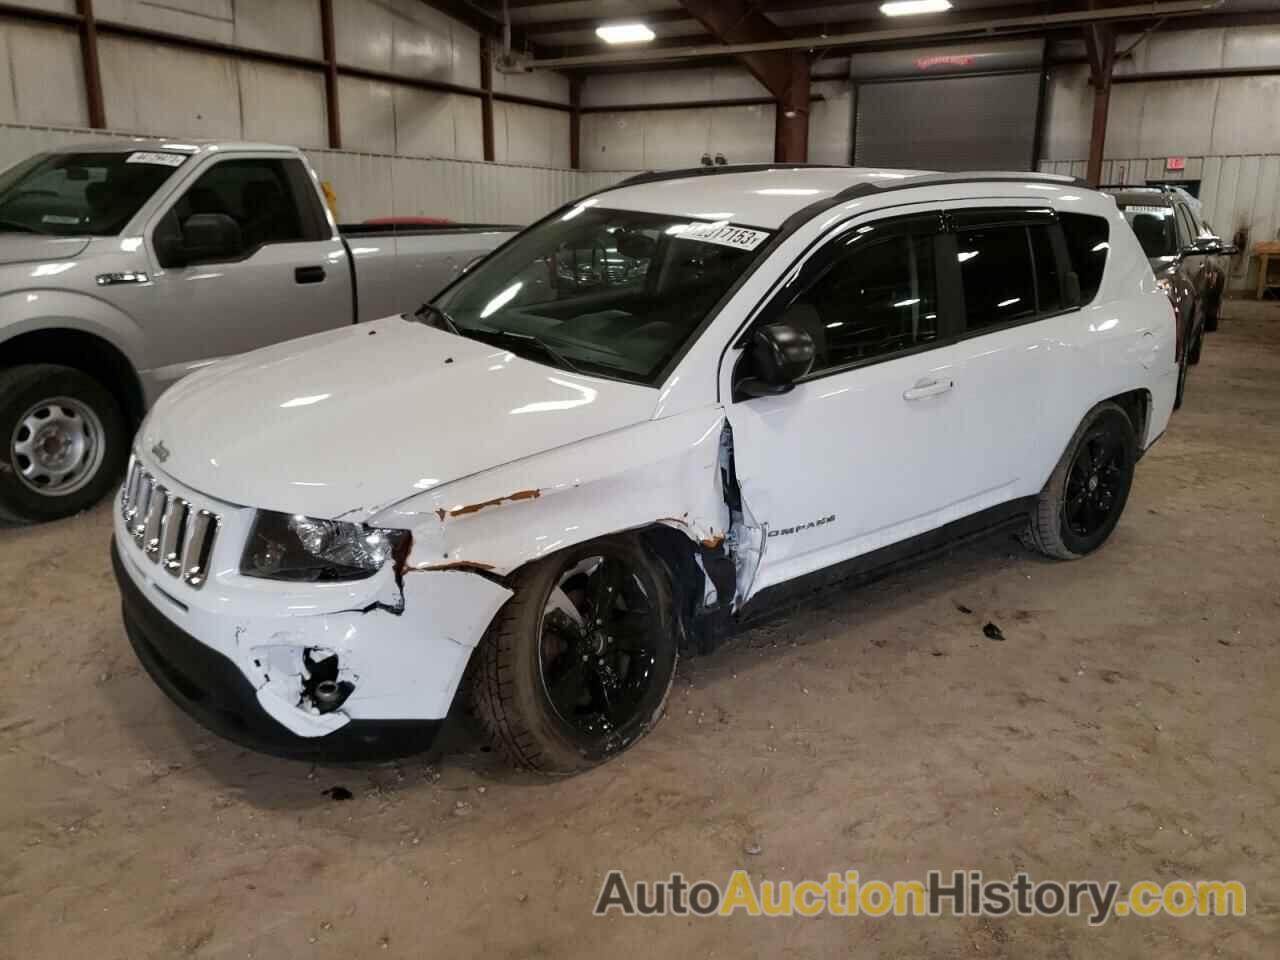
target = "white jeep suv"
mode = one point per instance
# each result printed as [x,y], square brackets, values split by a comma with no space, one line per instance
[631,425]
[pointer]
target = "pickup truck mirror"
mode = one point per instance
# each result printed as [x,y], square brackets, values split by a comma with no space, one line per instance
[1201,246]
[210,236]
[781,355]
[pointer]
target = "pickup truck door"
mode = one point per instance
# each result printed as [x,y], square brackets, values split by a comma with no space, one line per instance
[286,276]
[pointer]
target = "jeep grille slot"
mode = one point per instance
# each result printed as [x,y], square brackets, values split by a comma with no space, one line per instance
[168,529]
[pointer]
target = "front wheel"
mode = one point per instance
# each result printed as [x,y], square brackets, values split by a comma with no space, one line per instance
[65,442]
[578,664]
[1083,500]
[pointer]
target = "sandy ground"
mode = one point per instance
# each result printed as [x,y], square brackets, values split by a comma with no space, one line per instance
[1128,728]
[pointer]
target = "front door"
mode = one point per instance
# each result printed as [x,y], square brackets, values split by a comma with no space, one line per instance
[289,276]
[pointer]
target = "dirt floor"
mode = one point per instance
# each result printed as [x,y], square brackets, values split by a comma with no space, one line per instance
[1128,727]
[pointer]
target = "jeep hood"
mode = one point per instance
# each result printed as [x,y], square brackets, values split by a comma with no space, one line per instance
[31,247]
[353,420]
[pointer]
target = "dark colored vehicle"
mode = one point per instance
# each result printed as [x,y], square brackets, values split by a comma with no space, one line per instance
[1189,261]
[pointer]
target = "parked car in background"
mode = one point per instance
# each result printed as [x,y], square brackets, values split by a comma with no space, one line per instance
[627,427]
[124,266]
[1189,261]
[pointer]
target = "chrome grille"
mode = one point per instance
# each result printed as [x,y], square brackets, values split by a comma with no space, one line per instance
[169,530]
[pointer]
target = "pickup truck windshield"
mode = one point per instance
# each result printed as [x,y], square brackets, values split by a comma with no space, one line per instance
[81,194]
[612,292]
[1154,227]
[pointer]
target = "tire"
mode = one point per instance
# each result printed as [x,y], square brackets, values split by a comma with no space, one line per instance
[1211,314]
[65,441]
[532,648]
[1104,447]
[1193,354]
[1182,382]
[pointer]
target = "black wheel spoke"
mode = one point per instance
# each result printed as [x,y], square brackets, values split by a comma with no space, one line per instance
[602,590]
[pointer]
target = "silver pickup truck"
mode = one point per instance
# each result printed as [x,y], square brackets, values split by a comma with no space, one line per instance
[125,266]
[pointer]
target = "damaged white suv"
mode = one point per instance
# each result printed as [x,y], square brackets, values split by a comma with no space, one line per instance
[631,425]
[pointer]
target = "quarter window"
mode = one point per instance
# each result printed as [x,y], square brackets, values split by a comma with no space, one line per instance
[877,297]
[1088,240]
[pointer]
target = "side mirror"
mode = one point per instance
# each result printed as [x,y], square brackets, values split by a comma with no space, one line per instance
[781,355]
[208,237]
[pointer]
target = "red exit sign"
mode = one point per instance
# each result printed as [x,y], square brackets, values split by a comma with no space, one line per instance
[1176,163]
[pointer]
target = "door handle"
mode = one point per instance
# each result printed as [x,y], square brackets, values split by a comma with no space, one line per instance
[309,275]
[928,388]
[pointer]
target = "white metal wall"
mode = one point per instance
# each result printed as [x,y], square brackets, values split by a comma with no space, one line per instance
[167,90]
[660,139]
[377,185]
[1224,128]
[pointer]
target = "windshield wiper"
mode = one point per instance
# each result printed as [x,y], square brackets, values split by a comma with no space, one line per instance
[514,341]
[445,321]
[518,341]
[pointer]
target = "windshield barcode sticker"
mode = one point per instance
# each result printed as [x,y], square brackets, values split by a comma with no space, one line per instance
[1159,211]
[724,234]
[160,159]
[60,220]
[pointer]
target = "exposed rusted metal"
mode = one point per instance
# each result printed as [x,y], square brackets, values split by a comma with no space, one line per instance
[470,566]
[495,502]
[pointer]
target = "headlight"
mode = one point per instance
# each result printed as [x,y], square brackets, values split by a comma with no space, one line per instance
[286,546]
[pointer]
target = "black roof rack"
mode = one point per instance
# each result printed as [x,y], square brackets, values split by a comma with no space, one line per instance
[656,176]
[923,180]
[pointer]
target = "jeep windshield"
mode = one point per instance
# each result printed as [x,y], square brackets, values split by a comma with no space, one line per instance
[81,194]
[609,292]
[1154,227]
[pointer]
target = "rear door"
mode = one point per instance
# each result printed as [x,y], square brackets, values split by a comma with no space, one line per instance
[289,277]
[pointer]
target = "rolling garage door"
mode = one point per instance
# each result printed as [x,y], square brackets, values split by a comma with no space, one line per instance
[951,123]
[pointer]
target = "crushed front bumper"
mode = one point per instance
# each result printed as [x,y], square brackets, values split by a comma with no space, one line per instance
[214,692]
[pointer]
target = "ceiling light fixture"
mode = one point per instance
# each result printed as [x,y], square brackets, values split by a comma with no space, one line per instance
[627,33]
[905,8]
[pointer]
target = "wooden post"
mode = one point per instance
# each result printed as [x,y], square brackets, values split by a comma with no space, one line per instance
[89,61]
[329,40]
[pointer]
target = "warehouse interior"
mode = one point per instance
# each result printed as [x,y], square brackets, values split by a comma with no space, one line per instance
[1123,726]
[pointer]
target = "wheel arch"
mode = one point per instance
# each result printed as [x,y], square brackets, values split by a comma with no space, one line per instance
[81,350]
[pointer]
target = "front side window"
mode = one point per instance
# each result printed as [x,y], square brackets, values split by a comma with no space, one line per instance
[877,297]
[997,274]
[1155,228]
[256,194]
[81,194]
[611,292]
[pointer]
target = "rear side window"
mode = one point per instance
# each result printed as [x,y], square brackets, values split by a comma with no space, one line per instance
[997,274]
[1048,276]
[1088,240]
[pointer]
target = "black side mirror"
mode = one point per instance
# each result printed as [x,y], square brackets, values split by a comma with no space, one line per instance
[209,237]
[781,355]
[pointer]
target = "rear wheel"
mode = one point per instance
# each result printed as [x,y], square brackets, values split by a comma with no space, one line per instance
[1083,500]
[578,664]
[65,442]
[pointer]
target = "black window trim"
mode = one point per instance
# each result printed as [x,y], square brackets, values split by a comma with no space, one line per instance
[823,254]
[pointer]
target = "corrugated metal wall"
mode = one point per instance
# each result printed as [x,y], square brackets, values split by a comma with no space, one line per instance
[377,185]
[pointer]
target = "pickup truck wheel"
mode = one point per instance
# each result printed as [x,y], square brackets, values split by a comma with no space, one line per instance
[65,442]
[1182,383]
[578,664]
[1083,500]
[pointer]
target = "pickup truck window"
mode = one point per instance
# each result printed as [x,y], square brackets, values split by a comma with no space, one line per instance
[81,194]
[612,292]
[253,193]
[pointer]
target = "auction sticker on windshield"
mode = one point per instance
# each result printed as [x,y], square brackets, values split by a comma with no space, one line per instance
[727,235]
[160,159]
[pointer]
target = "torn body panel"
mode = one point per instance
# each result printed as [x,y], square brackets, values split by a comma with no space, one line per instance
[394,648]
[665,472]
